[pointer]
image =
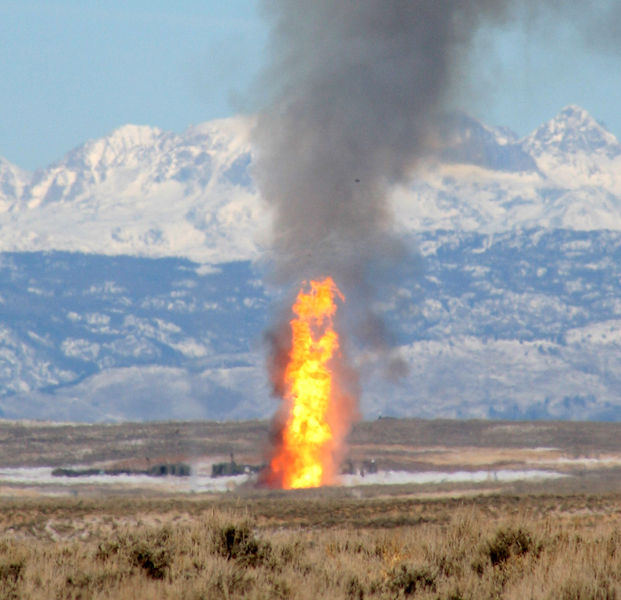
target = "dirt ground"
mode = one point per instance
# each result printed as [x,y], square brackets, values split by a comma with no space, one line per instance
[587,455]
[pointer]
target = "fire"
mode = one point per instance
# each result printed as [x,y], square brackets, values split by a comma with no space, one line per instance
[312,433]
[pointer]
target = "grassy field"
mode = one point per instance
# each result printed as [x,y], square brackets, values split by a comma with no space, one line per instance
[313,544]
[587,454]
[394,442]
[553,539]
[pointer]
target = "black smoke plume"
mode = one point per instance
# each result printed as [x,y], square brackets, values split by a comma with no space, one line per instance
[350,96]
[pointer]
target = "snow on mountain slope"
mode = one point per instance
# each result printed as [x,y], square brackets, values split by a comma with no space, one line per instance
[465,140]
[146,192]
[93,337]
[516,313]
[574,150]
[142,191]
[524,324]
[12,183]
[521,324]
[470,377]
[469,198]
[566,174]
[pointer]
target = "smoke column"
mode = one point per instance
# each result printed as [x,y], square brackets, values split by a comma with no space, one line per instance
[350,98]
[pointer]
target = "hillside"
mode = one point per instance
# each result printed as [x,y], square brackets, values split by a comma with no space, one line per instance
[133,285]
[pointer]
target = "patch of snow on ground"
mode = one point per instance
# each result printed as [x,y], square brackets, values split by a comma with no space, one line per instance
[199,481]
[403,477]
[42,476]
[603,461]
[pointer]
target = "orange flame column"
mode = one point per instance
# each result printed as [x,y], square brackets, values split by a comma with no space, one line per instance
[305,457]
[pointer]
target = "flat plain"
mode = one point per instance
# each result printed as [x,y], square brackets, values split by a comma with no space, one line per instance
[539,538]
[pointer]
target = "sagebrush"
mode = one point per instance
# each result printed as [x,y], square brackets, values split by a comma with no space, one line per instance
[469,549]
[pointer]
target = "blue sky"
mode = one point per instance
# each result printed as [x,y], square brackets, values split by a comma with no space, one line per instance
[73,70]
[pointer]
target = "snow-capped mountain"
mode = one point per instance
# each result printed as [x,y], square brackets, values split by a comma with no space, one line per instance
[573,150]
[572,133]
[566,174]
[144,192]
[464,140]
[12,182]
[130,287]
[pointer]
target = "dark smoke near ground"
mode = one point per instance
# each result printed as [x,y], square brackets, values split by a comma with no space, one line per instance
[351,95]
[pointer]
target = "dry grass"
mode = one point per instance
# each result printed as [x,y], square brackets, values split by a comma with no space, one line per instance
[312,545]
[394,442]
[553,540]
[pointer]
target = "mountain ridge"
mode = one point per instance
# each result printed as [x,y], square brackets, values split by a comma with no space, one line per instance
[131,285]
[149,192]
[523,324]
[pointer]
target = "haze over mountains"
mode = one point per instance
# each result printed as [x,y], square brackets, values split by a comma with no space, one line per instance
[131,285]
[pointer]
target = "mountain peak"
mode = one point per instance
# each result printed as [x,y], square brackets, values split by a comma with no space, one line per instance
[130,135]
[574,113]
[573,131]
[466,140]
[116,148]
[12,181]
